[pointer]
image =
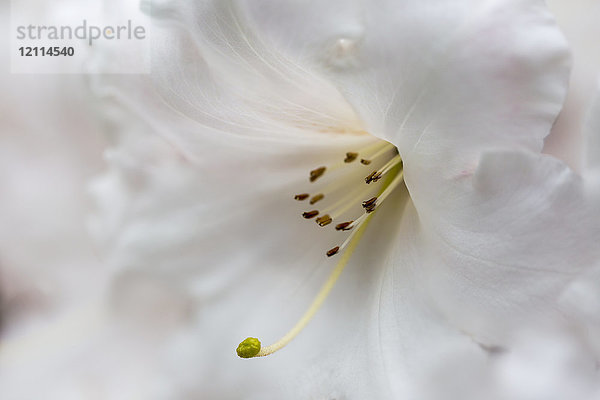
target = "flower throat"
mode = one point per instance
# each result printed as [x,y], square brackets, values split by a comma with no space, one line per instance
[361,181]
[341,197]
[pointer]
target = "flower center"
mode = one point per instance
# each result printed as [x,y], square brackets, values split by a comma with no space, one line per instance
[349,191]
[351,194]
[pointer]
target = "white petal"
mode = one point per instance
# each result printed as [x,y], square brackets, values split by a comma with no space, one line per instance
[373,337]
[85,354]
[581,300]
[578,20]
[547,365]
[233,242]
[491,73]
[214,215]
[443,81]
[438,76]
[210,66]
[508,240]
[543,364]
[592,133]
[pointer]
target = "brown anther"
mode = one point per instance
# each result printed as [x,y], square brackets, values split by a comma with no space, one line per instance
[370,209]
[369,203]
[333,251]
[301,197]
[317,173]
[373,177]
[365,162]
[310,214]
[316,198]
[369,178]
[344,226]
[350,157]
[324,220]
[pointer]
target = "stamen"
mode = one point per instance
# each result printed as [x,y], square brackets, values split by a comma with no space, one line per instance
[378,148]
[373,177]
[350,157]
[251,347]
[370,209]
[386,147]
[310,214]
[316,198]
[359,223]
[345,203]
[354,224]
[333,251]
[344,226]
[317,173]
[370,202]
[371,205]
[252,343]
[398,179]
[387,167]
[390,164]
[324,220]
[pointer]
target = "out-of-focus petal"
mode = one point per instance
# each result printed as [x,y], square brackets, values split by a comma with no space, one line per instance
[578,19]
[592,133]
[508,240]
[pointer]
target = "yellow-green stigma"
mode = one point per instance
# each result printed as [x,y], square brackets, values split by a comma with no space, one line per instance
[349,193]
[248,348]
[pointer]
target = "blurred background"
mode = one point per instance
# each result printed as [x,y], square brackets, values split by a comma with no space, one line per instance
[50,147]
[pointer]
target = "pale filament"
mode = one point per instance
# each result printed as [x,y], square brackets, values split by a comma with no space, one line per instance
[390,164]
[347,202]
[319,299]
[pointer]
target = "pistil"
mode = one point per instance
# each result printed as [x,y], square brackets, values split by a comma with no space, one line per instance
[357,191]
[251,347]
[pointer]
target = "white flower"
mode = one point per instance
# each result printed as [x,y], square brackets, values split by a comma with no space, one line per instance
[246,99]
